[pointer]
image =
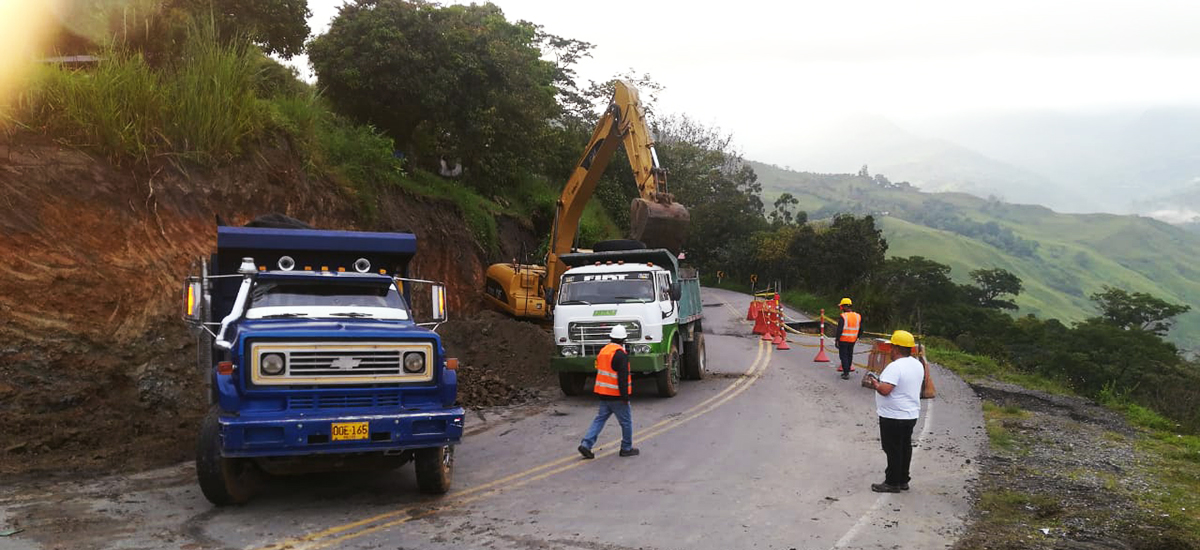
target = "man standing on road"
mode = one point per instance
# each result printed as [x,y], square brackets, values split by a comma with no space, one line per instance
[848,327]
[898,402]
[614,383]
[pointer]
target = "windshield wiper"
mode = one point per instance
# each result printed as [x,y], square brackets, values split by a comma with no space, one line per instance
[638,299]
[573,302]
[284,316]
[354,314]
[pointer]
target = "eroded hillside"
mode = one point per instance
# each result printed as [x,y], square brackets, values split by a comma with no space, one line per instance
[96,369]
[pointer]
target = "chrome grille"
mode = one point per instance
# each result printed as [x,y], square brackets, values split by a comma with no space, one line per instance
[343,363]
[597,331]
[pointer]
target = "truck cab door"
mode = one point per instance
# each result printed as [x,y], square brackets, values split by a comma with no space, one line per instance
[666,302]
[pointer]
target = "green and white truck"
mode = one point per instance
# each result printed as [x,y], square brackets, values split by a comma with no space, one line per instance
[643,289]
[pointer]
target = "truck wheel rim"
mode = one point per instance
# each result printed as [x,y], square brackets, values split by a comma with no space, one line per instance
[447,457]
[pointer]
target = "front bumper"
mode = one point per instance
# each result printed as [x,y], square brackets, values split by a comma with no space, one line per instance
[652,362]
[290,436]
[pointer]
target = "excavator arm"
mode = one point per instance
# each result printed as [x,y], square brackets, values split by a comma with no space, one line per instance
[656,220]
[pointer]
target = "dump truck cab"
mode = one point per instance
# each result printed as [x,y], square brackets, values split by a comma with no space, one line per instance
[646,291]
[315,359]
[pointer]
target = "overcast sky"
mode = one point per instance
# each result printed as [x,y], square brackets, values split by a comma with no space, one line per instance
[773,72]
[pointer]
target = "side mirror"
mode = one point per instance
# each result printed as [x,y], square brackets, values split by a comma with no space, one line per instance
[676,291]
[439,303]
[193,306]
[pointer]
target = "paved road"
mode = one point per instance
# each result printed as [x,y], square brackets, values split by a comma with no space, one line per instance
[770,451]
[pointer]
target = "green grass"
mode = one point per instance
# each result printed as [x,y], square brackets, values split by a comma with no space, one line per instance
[996,419]
[971,367]
[202,108]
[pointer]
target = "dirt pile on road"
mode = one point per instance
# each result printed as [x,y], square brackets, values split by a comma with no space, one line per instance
[502,361]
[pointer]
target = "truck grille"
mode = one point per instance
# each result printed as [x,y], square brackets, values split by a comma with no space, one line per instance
[335,363]
[341,362]
[597,331]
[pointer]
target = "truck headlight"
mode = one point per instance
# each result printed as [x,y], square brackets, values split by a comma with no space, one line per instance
[568,351]
[271,364]
[640,349]
[414,362]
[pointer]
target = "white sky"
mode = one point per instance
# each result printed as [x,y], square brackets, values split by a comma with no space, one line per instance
[771,72]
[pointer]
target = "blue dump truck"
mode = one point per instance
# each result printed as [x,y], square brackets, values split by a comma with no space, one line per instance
[316,359]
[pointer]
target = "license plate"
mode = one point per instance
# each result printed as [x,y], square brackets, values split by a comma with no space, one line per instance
[343,431]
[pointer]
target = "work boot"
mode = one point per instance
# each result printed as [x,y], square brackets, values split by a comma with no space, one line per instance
[885,488]
[586,452]
[630,452]
[845,376]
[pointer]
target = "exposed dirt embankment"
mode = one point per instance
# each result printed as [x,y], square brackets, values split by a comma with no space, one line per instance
[97,372]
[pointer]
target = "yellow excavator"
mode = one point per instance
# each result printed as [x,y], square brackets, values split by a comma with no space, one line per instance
[657,221]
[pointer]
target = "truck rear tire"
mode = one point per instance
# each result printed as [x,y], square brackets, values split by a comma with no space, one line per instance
[668,378]
[435,469]
[694,362]
[223,480]
[572,383]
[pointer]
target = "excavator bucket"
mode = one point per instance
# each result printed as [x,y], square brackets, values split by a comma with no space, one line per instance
[659,225]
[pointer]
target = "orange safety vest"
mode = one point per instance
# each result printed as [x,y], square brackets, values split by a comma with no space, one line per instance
[607,382]
[851,322]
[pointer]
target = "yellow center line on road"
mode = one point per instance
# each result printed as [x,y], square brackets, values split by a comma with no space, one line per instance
[741,385]
[460,497]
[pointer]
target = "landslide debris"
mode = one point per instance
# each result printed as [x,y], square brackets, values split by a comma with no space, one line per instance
[502,361]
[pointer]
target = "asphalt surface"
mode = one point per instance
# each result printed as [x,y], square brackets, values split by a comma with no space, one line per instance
[771,450]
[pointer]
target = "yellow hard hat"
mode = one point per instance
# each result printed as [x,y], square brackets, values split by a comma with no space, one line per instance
[903,338]
[845,302]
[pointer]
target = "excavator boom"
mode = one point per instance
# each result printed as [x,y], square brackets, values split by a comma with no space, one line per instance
[655,218]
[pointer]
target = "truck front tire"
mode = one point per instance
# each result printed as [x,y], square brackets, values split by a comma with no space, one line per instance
[223,480]
[694,363]
[668,378]
[435,469]
[572,383]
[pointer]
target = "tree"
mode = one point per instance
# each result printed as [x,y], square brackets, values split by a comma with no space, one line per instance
[460,82]
[279,26]
[993,283]
[721,191]
[848,251]
[1136,311]
[782,215]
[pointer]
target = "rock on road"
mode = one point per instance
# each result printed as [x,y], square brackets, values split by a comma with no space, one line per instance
[770,450]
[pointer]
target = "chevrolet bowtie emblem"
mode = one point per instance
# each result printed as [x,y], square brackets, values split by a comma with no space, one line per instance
[344,363]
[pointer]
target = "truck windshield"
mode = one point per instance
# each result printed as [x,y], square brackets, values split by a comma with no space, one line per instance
[282,299]
[606,288]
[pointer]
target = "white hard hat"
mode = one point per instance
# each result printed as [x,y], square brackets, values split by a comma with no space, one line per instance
[618,333]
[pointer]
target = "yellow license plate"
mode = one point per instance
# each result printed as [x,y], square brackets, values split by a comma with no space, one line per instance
[351,430]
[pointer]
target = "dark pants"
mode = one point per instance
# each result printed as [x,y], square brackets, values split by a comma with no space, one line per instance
[896,437]
[846,354]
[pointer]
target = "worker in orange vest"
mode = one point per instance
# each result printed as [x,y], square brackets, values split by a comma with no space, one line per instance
[614,383]
[848,328]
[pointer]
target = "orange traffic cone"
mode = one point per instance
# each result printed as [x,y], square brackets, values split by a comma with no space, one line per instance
[821,357]
[754,311]
[769,329]
[781,342]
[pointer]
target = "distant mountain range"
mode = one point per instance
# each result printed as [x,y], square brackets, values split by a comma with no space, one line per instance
[1062,258]
[1133,161]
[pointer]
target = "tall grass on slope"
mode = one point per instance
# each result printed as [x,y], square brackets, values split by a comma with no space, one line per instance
[201,106]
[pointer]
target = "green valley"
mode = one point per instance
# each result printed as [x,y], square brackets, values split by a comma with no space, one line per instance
[1061,258]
